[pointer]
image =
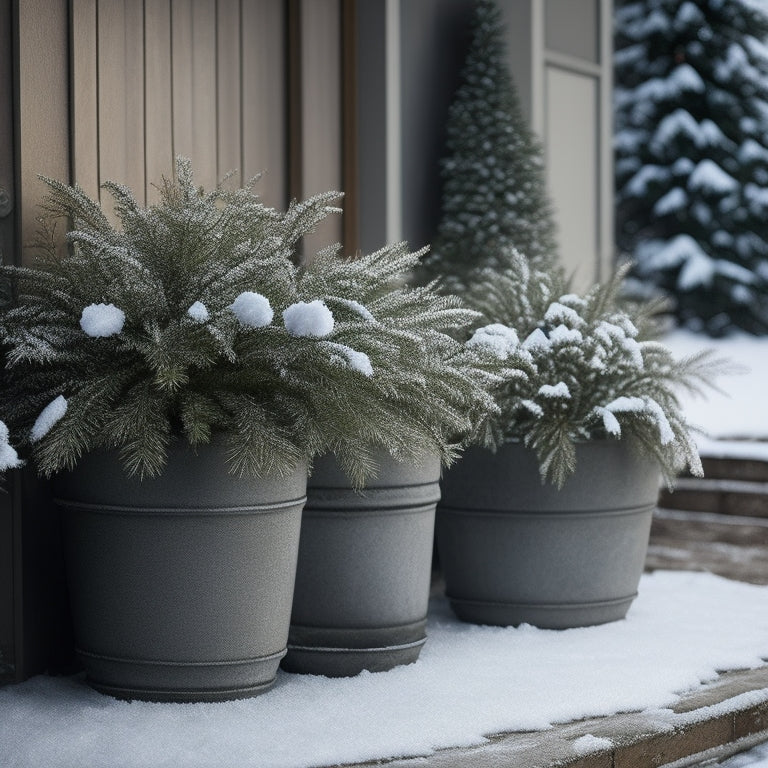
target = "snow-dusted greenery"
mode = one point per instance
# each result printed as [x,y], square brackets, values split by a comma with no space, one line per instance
[691,108]
[9,459]
[494,193]
[192,318]
[593,376]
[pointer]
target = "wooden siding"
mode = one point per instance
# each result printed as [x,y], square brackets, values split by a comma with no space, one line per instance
[200,78]
[321,117]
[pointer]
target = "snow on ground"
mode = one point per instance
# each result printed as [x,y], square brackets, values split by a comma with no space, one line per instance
[740,412]
[469,682]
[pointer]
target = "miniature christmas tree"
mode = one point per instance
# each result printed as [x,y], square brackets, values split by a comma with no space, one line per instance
[493,178]
[692,156]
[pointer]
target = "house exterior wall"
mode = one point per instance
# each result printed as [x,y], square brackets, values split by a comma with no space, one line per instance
[318,94]
[559,57]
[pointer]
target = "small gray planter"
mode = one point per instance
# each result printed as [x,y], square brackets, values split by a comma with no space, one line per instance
[180,585]
[515,551]
[363,577]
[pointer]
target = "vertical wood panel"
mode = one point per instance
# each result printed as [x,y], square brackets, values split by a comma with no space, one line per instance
[349,129]
[133,77]
[121,94]
[194,85]
[43,119]
[228,87]
[321,110]
[181,77]
[264,98]
[158,99]
[7,254]
[203,95]
[295,153]
[85,113]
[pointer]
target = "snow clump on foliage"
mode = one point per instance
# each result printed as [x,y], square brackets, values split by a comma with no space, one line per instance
[9,459]
[358,308]
[198,312]
[252,309]
[311,318]
[52,413]
[503,341]
[352,358]
[102,320]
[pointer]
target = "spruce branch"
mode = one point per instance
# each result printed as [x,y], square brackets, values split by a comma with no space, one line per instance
[191,318]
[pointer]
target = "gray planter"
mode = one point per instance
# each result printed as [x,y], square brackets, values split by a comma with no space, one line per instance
[363,577]
[180,585]
[515,551]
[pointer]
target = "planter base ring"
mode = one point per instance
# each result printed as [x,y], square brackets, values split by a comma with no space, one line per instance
[181,696]
[347,662]
[543,615]
[180,681]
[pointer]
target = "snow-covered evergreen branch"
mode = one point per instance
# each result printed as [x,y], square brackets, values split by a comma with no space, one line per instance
[193,318]
[595,375]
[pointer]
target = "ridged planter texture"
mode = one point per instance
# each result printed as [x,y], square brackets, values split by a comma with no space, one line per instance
[180,585]
[515,551]
[363,576]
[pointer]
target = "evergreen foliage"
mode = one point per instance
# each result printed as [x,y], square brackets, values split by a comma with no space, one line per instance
[593,376]
[192,319]
[691,108]
[494,193]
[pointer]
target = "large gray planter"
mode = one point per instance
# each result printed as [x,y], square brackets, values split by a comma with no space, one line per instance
[363,577]
[515,551]
[180,585]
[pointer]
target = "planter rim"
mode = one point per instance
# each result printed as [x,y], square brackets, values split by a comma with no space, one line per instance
[105,509]
[555,514]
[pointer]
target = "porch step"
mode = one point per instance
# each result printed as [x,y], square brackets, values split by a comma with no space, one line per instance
[718,495]
[732,546]
[736,467]
[735,481]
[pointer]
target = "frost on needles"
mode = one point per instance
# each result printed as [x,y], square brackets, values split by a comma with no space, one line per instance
[192,318]
[594,374]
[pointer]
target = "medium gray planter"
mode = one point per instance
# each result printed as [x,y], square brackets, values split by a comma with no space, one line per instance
[515,551]
[180,585]
[363,577]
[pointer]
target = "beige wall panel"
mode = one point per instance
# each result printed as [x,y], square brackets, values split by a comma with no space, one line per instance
[159,95]
[194,86]
[43,140]
[321,110]
[572,161]
[264,90]
[181,74]
[228,87]
[121,94]
[85,111]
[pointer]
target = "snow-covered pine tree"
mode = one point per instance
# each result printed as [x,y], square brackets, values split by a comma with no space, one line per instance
[494,193]
[692,156]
